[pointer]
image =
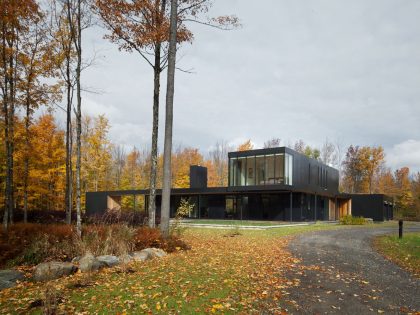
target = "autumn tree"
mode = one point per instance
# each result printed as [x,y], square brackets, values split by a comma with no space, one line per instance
[167,149]
[16,20]
[307,150]
[404,195]
[96,157]
[361,166]
[46,175]
[64,57]
[181,160]
[218,160]
[143,27]
[247,145]
[36,66]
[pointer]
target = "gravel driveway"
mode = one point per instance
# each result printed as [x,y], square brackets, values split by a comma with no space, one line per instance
[340,273]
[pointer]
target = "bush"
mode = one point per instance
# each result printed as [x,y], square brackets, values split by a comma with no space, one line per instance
[147,237]
[34,243]
[350,220]
[113,216]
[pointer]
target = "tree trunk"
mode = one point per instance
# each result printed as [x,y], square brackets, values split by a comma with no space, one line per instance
[68,196]
[6,125]
[78,44]
[26,164]
[166,190]
[155,128]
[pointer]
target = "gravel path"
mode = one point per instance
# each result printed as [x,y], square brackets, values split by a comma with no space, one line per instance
[340,273]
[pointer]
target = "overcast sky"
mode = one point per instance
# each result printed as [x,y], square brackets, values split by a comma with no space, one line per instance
[348,71]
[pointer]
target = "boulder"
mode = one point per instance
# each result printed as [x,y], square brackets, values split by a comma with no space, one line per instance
[9,277]
[89,263]
[141,256]
[108,260]
[126,258]
[155,252]
[53,270]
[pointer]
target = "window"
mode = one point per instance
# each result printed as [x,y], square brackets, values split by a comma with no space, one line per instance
[240,172]
[260,170]
[288,167]
[232,165]
[279,169]
[250,174]
[269,169]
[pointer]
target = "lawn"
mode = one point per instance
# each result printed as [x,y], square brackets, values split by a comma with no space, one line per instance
[224,272]
[236,222]
[404,252]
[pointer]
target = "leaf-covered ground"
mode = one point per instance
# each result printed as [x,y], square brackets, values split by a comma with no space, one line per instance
[222,273]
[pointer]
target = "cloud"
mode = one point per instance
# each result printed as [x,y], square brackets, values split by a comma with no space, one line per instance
[406,153]
[306,70]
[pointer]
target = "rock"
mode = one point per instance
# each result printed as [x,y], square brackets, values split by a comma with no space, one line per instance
[108,260]
[9,277]
[142,256]
[126,258]
[155,252]
[53,270]
[76,260]
[89,263]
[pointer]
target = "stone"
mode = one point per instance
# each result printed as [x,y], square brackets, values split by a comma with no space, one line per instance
[142,256]
[89,263]
[155,252]
[53,270]
[75,260]
[9,277]
[126,258]
[108,260]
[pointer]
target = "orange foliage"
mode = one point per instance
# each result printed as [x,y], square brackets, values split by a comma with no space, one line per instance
[247,145]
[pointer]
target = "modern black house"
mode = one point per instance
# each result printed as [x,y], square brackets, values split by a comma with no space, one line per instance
[277,184]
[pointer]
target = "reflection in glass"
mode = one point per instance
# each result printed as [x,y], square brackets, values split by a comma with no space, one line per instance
[260,172]
[269,169]
[232,165]
[279,169]
[250,174]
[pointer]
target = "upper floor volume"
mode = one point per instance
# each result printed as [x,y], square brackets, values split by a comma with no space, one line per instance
[280,169]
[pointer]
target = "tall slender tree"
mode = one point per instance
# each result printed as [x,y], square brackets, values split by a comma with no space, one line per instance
[167,150]
[143,26]
[15,21]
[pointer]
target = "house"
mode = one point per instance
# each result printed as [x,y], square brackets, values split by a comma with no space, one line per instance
[277,184]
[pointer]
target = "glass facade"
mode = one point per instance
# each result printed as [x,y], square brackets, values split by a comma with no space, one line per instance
[269,169]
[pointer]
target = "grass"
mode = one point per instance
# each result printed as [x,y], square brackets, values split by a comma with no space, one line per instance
[223,272]
[405,252]
[236,222]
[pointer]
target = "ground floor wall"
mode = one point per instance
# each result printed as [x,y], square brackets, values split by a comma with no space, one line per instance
[261,206]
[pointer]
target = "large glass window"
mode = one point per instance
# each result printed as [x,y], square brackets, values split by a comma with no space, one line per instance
[269,169]
[260,172]
[240,172]
[279,169]
[288,167]
[250,174]
[232,165]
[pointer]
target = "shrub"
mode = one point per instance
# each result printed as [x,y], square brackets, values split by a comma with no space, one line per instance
[350,220]
[147,237]
[184,209]
[34,243]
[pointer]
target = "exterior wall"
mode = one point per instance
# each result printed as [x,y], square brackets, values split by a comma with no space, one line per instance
[309,175]
[375,206]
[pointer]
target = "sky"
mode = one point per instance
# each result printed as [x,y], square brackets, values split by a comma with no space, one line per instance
[348,71]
